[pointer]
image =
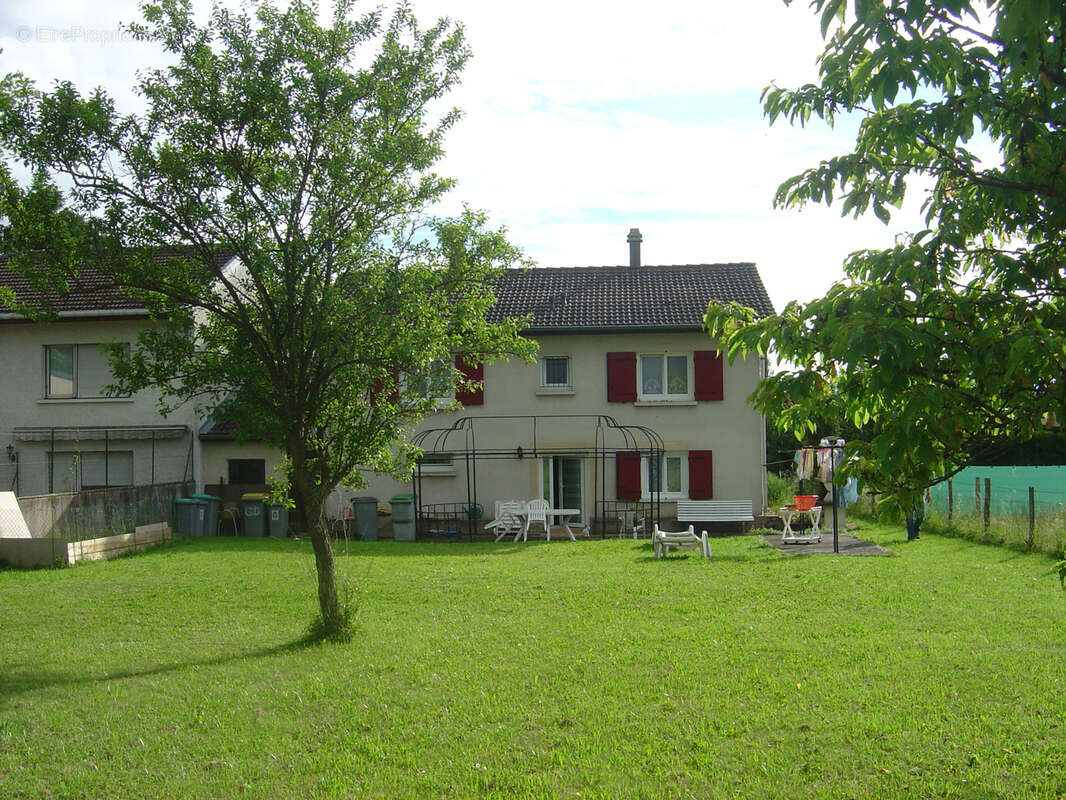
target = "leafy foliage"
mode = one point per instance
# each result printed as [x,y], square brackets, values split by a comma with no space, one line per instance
[285,165]
[950,343]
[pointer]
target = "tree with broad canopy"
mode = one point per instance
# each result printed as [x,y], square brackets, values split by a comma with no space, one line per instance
[304,150]
[951,343]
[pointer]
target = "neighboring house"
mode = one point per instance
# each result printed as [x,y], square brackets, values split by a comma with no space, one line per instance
[620,342]
[57,426]
[628,395]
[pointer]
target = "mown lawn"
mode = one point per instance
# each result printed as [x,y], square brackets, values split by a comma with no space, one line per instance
[539,670]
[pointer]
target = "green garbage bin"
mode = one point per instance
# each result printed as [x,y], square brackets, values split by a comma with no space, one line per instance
[189,516]
[278,520]
[365,510]
[214,506]
[403,517]
[252,509]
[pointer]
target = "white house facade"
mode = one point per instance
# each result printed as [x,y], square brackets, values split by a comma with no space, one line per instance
[628,402]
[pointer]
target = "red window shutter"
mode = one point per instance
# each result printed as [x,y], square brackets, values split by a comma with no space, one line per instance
[627,479]
[707,364]
[700,475]
[621,377]
[471,372]
[379,386]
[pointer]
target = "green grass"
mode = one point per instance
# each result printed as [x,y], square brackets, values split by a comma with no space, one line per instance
[539,670]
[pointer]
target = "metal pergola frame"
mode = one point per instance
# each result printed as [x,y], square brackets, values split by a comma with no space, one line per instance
[610,438]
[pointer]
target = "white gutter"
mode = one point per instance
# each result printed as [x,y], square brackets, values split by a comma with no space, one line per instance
[117,312]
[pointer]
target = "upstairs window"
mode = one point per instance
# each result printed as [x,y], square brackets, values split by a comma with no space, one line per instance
[437,383]
[75,371]
[664,377]
[59,369]
[555,372]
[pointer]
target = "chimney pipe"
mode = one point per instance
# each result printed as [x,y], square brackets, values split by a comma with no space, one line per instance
[634,238]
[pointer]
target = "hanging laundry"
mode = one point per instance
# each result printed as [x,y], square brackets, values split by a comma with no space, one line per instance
[825,465]
[849,495]
[804,461]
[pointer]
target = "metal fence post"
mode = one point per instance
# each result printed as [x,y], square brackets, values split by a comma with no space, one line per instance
[1032,519]
[988,503]
[951,501]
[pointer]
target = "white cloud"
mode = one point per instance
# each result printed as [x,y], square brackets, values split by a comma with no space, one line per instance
[583,119]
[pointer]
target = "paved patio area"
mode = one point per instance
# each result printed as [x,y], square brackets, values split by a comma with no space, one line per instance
[849,546]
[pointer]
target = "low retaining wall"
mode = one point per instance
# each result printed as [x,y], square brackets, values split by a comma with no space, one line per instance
[50,552]
[144,537]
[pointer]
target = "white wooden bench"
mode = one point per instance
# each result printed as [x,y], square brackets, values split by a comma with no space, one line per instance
[662,541]
[715,511]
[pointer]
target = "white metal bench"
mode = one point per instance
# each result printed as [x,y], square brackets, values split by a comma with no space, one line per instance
[662,541]
[715,511]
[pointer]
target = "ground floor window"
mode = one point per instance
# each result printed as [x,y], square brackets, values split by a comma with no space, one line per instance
[667,474]
[91,469]
[247,470]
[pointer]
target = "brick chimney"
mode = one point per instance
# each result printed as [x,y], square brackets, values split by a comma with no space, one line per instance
[634,238]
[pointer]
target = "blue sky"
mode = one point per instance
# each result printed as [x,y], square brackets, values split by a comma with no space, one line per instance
[583,119]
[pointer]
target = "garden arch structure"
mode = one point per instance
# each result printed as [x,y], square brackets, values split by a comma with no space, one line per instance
[609,437]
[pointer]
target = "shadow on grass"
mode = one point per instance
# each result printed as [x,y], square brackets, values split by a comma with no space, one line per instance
[18,679]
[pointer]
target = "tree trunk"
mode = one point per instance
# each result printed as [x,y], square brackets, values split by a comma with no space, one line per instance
[328,599]
[307,516]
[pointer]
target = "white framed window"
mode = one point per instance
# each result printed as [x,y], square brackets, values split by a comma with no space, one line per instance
[75,371]
[436,383]
[437,464]
[667,472]
[555,372]
[664,376]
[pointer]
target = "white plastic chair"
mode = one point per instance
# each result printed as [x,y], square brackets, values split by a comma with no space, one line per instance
[508,518]
[630,521]
[536,511]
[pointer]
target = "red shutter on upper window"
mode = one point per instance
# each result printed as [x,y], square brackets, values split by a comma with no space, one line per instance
[700,475]
[627,479]
[471,372]
[379,386]
[621,377]
[707,364]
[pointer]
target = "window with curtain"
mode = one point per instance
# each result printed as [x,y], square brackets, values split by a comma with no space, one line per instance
[664,377]
[666,473]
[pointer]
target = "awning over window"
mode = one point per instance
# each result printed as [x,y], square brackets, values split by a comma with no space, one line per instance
[99,434]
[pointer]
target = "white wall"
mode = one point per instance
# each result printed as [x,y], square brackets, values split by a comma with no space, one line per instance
[730,428]
[23,404]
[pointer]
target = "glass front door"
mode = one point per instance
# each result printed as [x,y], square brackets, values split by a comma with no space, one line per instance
[562,483]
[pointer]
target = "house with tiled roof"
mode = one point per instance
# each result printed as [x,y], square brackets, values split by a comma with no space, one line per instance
[629,401]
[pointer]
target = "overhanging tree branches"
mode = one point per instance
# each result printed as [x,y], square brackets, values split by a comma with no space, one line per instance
[951,342]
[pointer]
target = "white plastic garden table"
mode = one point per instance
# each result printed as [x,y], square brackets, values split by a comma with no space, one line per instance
[566,514]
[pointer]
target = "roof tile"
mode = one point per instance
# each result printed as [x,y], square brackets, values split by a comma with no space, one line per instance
[556,299]
[660,297]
